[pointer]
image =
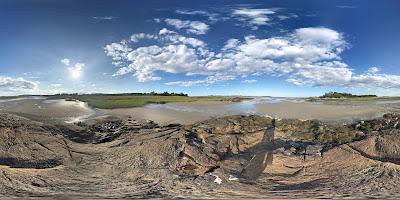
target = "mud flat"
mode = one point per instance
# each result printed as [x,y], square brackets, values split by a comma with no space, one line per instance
[226,157]
[41,109]
[191,112]
[182,113]
[61,110]
[324,112]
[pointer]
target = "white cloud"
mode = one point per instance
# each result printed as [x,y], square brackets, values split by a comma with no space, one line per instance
[207,81]
[254,17]
[165,31]
[178,54]
[55,85]
[65,61]
[16,84]
[118,52]
[230,44]
[373,70]
[195,27]
[140,36]
[249,81]
[322,74]
[306,57]
[319,36]
[105,18]
[375,81]
[329,74]
[211,16]
[287,16]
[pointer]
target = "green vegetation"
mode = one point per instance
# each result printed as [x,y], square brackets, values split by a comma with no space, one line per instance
[344,95]
[337,96]
[8,97]
[110,101]
[374,98]
[315,132]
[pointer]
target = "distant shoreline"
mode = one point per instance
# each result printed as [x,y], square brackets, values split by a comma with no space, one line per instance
[359,99]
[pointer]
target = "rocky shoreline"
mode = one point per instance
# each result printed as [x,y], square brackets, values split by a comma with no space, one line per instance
[227,157]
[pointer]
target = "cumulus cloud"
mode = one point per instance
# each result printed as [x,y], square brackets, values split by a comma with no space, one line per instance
[373,70]
[306,56]
[207,81]
[177,54]
[16,84]
[329,74]
[254,17]
[195,27]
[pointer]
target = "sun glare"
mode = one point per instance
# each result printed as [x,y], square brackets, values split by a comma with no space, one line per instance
[76,71]
[75,74]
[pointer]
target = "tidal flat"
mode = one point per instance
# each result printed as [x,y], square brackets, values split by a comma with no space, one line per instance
[188,112]
[264,147]
[287,108]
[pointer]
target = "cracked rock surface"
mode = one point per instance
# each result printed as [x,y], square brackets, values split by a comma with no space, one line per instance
[227,157]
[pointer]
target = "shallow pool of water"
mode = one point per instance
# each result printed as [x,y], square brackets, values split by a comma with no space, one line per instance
[42,109]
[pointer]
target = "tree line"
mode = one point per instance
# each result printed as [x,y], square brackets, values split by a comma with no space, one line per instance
[343,95]
[126,94]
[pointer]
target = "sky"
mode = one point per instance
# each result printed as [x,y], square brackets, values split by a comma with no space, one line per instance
[210,47]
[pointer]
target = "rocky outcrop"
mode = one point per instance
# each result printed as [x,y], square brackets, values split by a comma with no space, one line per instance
[125,158]
[26,144]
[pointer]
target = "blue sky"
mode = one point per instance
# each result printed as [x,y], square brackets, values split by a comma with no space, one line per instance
[278,48]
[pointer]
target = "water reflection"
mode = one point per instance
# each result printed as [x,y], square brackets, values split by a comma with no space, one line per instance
[42,109]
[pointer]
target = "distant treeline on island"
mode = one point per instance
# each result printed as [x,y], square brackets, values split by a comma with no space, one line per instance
[126,94]
[343,95]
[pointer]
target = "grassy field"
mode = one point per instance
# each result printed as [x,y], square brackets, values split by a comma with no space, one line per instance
[8,97]
[129,101]
[357,99]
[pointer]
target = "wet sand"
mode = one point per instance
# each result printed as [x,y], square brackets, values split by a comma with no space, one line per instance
[190,112]
[323,112]
[182,113]
[42,109]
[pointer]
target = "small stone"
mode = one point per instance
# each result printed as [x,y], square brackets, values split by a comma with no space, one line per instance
[217,180]
[232,178]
